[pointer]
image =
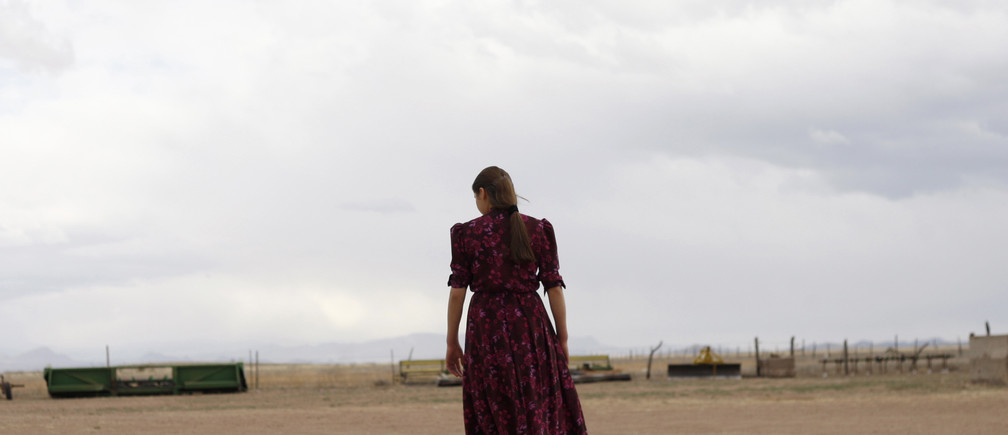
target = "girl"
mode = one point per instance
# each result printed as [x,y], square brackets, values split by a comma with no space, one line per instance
[515,377]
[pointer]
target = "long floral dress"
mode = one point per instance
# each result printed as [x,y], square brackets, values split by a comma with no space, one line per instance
[516,379]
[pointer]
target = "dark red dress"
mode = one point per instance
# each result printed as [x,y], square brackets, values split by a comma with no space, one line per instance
[516,379]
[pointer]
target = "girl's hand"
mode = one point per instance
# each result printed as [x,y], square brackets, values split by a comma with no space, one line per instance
[453,359]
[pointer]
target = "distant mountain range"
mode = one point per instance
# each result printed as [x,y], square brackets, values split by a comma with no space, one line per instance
[414,346]
[34,359]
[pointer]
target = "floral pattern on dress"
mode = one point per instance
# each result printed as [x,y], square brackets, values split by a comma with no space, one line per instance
[516,379]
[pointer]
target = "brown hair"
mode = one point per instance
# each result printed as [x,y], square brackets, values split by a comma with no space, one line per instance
[501,193]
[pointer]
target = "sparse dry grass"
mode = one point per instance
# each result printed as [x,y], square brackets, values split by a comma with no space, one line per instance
[34,384]
[321,376]
[805,364]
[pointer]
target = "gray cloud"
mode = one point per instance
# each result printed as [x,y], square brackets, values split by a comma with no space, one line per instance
[296,169]
[26,41]
[380,206]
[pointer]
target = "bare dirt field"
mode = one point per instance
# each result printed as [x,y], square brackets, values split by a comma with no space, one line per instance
[360,399]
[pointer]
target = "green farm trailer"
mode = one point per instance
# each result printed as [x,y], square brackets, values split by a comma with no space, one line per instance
[147,379]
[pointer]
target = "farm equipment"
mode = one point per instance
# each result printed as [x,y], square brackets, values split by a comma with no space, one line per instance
[426,368]
[583,369]
[145,380]
[594,368]
[706,365]
[5,387]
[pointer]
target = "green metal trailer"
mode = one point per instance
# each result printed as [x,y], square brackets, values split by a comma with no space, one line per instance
[147,379]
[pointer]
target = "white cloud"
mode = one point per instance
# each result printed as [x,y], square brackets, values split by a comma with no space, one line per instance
[298,166]
[770,248]
[26,41]
[827,137]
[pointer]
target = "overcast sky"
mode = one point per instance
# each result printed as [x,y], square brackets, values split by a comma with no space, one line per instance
[186,174]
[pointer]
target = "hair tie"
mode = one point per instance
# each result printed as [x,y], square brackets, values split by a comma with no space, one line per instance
[512,209]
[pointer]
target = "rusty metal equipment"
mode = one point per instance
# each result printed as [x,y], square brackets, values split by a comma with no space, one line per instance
[150,379]
[706,364]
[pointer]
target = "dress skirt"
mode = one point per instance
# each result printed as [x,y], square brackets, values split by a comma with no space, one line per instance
[516,379]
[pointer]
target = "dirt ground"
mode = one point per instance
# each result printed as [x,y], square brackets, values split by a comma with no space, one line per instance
[362,400]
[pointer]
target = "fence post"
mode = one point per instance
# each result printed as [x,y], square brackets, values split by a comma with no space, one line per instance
[846,369]
[392,364]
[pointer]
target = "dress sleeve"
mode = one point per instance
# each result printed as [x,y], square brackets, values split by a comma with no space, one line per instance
[461,264]
[549,263]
